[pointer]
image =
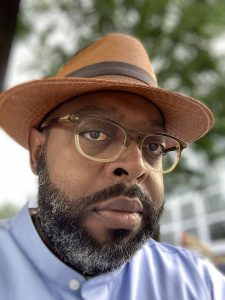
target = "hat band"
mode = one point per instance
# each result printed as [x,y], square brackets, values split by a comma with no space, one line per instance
[114,68]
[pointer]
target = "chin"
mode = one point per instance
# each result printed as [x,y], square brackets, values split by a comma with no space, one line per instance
[114,237]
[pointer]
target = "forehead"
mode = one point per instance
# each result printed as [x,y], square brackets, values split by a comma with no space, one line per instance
[117,105]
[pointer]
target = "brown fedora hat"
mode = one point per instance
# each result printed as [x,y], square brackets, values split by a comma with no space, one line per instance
[114,62]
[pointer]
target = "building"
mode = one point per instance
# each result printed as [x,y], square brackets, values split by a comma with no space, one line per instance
[200,215]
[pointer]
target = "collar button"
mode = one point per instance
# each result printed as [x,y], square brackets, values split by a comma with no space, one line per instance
[74,285]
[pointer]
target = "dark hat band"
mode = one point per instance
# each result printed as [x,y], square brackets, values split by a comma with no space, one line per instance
[114,68]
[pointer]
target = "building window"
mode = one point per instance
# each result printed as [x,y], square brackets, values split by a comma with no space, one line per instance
[167,238]
[217,231]
[166,216]
[214,204]
[187,211]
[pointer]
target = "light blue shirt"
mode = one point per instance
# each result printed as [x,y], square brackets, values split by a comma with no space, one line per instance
[29,271]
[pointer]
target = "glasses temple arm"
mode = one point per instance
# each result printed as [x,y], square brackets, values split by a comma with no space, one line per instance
[67,118]
[182,147]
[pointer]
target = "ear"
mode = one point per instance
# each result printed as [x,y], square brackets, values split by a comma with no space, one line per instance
[35,143]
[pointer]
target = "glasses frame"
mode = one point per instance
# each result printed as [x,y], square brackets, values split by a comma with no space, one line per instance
[140,137]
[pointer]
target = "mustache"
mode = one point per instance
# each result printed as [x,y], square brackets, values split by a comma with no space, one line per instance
[151,214]
[116,190]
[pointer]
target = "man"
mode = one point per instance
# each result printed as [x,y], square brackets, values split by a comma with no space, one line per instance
[101,134]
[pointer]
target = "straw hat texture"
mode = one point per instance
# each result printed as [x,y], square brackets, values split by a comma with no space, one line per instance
[114,62]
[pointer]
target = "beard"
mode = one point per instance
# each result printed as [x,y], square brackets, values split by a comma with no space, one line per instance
[61,219]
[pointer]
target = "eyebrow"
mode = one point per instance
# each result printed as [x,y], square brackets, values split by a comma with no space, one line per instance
[113,113]
[107,111]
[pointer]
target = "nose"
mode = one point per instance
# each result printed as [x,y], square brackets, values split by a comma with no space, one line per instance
[130,166]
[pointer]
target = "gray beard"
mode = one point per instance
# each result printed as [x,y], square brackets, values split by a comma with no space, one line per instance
[61,220]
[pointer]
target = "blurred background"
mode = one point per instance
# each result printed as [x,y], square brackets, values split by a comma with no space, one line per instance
[186,42]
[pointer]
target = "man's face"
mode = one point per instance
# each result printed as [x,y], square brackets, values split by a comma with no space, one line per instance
[96,215]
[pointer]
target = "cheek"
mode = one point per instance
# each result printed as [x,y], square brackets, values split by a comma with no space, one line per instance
[69,171]
[155,188]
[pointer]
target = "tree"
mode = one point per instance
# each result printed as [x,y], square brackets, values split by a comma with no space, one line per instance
[180,36]
[8,210]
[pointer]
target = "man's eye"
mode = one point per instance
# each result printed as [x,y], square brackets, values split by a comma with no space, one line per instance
[95,135]
[155,148]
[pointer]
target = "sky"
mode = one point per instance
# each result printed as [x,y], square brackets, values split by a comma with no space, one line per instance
[18,184]
[17,181]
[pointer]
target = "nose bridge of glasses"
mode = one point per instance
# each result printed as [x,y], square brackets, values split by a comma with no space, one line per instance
[136,136]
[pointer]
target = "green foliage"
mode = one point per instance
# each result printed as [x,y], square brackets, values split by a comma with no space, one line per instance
[8,210]
[180,36]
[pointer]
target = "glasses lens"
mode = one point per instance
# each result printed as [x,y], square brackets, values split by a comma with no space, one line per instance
[100,139]
[161,152]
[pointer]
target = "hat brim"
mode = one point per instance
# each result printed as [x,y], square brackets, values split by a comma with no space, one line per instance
[25,105]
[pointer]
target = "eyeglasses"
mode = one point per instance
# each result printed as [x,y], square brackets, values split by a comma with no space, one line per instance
[104,140]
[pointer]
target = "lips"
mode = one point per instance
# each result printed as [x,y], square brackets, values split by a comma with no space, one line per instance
[120,213]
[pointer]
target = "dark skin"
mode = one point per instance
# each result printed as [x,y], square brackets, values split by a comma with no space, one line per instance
[74,174]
